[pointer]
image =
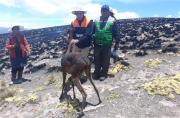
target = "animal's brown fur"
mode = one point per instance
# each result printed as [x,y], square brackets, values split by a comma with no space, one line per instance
[75,64]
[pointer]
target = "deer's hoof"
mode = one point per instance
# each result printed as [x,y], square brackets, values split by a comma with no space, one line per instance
[61,99]
[80,114]
[99,102]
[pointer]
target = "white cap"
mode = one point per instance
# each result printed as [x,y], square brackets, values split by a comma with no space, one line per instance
[79,10]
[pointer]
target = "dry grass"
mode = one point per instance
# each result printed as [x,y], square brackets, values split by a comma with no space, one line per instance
[113,95]
[67,108]
[117,68]
[51,80]
[6,91]
[165,86]
[153,63]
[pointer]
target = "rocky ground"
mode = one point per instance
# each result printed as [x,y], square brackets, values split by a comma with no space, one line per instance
[123,96]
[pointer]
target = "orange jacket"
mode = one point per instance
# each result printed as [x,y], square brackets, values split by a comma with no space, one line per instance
[25,48]
[83,32]
[85,22]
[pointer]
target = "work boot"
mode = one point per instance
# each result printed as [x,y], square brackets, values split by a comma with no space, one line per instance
[20,79]
[13,78]
[95,76]
[102,78]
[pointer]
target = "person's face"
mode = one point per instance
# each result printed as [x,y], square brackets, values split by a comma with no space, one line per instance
[15,31]
[105,13]
[79,15]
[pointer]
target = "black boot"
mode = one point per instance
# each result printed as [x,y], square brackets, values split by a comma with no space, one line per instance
[20,79]
[14,80]
[13,77]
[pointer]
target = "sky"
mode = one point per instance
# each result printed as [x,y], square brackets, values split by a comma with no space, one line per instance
[46,13]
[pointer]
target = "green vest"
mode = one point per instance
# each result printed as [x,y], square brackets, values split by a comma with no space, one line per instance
[103,36]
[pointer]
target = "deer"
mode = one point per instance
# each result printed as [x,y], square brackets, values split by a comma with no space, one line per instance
[75,64]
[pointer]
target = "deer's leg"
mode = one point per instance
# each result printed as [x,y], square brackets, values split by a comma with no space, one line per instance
[63,85]
[72,83]
[88,74]
[80,88]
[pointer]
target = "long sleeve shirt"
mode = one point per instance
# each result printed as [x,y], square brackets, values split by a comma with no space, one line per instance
[83,34]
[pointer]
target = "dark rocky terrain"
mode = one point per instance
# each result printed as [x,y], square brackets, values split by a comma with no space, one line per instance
[3,30]
[123,95]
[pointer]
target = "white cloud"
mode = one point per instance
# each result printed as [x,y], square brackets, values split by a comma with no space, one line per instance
[94,12]
[49,7]
[155,15]
[126,15]
[27,25]
[59,10]
[10,3]
[144,1]
[129,1]
[179,14]
[41,6]
[169,16]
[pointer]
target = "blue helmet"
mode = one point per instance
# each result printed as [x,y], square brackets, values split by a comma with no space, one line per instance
[105,7]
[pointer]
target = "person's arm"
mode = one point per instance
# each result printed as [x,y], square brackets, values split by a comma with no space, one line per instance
[72,31]
[28,48]
[116,34]
[88,35]
[9,46]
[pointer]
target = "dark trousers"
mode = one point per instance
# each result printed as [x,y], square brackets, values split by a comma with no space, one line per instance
[102,56]
[16,71]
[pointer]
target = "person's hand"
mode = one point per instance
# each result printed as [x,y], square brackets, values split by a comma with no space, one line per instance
[111,13]
[14,45]
[74,41]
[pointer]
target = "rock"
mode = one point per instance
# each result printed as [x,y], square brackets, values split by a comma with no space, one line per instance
[44,45]
[33,57]
[54,68]
[177,26]
[167,103]
[7,65]
[170,49]
[2,66]
[52,113]
[93,108]
[140,53]
[132,32]
[177,38]
[35,68]
[4,59]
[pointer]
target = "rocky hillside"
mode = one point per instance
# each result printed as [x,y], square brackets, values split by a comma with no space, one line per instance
[3,30]
[137,36]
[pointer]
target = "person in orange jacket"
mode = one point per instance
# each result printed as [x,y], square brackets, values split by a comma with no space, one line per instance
[82,29]
[18,49]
